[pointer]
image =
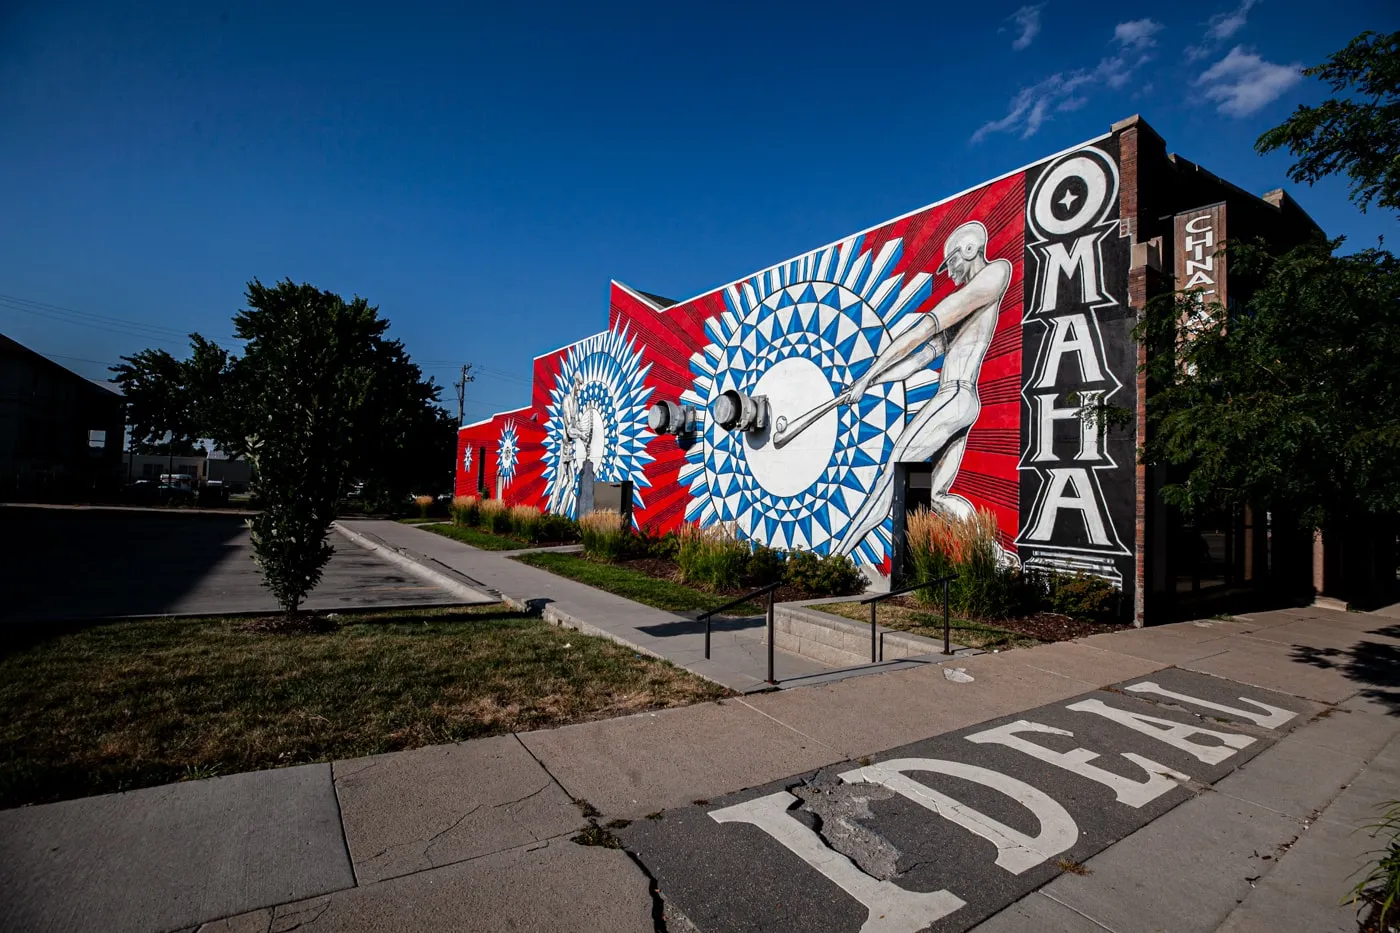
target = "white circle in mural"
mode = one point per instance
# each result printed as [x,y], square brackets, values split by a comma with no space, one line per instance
[792,386]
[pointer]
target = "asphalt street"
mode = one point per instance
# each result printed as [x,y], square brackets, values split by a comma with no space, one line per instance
[71,564]
[942,833]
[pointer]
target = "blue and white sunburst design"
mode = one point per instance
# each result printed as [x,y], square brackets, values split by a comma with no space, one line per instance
[467,459]
[614,396]
[835,307]
[507,452]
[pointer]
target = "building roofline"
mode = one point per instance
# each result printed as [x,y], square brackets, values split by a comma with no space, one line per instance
[35,354]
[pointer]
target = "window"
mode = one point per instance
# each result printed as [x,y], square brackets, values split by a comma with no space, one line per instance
[97,439]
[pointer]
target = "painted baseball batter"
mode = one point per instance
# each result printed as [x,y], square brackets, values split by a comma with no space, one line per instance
[960,329]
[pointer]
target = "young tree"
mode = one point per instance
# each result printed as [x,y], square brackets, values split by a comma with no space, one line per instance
[305,384]
[1359,135]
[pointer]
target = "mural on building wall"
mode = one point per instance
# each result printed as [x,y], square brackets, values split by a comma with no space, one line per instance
[596,419]
[1077,485]
[507,451]
[792,396]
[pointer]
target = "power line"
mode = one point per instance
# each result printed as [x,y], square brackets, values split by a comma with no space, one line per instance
[153,333]
[45,306]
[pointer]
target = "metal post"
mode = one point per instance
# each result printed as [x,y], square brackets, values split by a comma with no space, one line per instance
[770,637]
[947,623]
[872,630]
[707,638]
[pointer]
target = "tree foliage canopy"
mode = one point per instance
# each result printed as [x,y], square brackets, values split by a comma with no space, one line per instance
[1359,135]
[319,397]
[1292,399]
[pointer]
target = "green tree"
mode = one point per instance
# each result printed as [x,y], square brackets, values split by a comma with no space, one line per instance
[1292,400]
[305,383]
[160,407]
[1358,135]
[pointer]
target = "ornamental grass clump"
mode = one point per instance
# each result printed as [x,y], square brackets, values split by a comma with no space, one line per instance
[495,517]
[526,520]
[423,504]
[941,544]
[712,555]
[466,510]
[604,538]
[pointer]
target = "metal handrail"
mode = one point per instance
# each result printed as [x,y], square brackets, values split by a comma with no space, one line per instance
[875,600]
[709,614]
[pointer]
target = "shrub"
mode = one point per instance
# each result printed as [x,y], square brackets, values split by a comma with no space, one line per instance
[941,544]
[602,534]
[1378,891]
[1080,596]
[495,517]
[712,555]
[466,510]
[831,575]
[766,566]
[525,521]
[557,528]
[423,504]
[645,542]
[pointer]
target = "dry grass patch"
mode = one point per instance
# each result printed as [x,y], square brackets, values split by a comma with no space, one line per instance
[132,704]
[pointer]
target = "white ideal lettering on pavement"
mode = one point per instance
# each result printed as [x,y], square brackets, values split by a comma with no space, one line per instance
[1133,793]
[1271,718]
[892,909]
[1173,733]
[1016,852]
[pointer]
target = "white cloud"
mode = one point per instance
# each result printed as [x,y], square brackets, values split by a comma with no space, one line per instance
[1137,33]
[1220,27]
[1027,20]
[1242,82]
[1064,92]
[1224,25]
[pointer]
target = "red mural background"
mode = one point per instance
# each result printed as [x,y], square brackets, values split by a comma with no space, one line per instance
[668,336]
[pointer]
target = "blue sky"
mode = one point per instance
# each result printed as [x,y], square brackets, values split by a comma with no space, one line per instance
[481,172]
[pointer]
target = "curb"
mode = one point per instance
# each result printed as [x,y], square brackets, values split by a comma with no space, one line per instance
[427,574]
[543,608]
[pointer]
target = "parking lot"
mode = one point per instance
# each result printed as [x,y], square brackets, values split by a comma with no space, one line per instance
[66,563]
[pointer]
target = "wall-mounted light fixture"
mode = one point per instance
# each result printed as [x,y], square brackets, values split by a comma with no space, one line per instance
[734,409]
[669,418]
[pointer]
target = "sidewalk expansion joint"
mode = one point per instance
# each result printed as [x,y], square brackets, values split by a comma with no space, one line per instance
[1073,909]
[340,820]
[809,738]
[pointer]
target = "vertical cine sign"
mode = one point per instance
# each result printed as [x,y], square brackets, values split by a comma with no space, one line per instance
[1200,266]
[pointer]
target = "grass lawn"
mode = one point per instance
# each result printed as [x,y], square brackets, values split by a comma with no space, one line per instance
[632,584]
[137,703]
[477,538]
[930,625]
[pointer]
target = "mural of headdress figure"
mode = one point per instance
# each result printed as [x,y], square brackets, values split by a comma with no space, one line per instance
[597,416]
[507,456]
[799,334]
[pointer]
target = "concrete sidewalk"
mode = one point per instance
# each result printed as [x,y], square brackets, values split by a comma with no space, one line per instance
[476,836]
[738,656]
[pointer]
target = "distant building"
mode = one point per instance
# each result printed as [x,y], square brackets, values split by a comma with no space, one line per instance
[201,468]
[60,433]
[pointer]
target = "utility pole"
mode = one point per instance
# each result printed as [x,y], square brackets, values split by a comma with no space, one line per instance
[461,387]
